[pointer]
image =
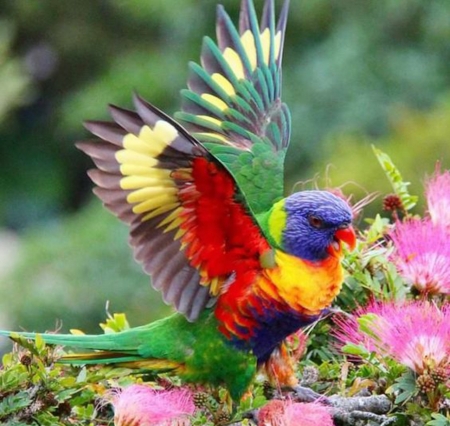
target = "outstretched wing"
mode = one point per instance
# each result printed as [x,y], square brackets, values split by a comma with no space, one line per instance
[190,226]
[233,102]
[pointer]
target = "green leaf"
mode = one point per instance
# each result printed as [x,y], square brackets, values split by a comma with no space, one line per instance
[85,412]
[14,403]
[259,401]
[366,322]
[115,323]
[398,184]
[439,420]
[404,387]
[359,350]
[25,343]
[81,378]
[39,343]
[377,228]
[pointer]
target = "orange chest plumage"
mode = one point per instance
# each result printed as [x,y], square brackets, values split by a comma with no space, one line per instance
[298,291]
[307,287]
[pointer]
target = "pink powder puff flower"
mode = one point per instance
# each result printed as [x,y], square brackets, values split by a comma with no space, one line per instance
[140,405]
[288,413]
[347,329]
[415,334]
[422,255]
[437,192]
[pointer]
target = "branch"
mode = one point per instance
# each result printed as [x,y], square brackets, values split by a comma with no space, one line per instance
[351,409]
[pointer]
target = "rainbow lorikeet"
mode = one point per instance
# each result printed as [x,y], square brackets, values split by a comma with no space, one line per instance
[243,266]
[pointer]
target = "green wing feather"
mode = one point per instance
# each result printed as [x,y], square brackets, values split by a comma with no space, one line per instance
[233,102]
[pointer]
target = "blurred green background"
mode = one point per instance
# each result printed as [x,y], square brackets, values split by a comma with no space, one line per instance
[356,73]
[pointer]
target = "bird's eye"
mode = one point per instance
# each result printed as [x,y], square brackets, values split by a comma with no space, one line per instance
[315,222]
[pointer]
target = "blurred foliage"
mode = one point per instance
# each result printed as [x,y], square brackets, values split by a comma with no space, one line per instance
[346,66]
[69,269]
[14,80]
[36,391]
[355,73]
[416,142]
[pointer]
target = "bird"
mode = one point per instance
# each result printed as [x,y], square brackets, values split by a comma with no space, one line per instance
[243,265]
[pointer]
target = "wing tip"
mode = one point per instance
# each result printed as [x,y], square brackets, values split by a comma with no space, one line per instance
[281,27]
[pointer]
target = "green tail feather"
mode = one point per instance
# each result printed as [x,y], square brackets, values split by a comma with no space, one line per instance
[105,342]
[197,352]
[113,348]
[145,342]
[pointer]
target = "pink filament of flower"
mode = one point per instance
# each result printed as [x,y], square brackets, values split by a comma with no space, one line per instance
[416,334]
[139,405]
[437,192]
[288,413]
[422,255]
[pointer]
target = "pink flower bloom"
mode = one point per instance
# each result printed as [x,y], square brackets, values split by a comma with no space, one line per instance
[271,413]
[437,192]
[347,329]
[307,414]
[422,255]
[416,334]
[140,405]
[288,413]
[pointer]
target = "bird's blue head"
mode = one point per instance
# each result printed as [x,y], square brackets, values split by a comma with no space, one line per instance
[312,225]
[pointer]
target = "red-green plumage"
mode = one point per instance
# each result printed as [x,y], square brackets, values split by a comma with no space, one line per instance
[233,101]
[227,238]
[243,266]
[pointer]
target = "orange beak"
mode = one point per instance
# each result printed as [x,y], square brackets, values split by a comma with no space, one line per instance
[347,235]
